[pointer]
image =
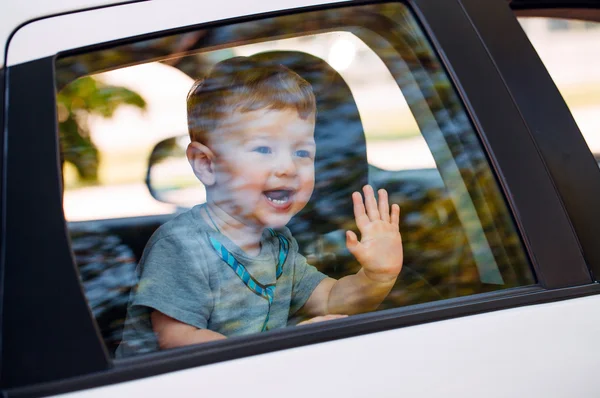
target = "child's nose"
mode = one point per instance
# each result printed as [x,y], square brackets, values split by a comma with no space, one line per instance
[285,165]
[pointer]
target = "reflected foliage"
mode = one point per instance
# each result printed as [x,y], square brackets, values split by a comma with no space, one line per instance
[71,68]
[76,102]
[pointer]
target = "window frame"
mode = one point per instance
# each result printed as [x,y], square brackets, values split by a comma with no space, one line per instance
[468,61]
[579,196]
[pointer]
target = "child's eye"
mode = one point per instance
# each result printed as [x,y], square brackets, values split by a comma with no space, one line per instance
[262,149]
[303,153]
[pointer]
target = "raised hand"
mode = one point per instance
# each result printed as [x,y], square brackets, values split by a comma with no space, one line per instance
[379,250]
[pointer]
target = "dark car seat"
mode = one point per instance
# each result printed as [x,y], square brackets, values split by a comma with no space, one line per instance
[341,165]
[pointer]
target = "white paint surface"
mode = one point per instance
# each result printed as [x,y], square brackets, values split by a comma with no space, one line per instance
[48,36]
[16,12]
[547,350]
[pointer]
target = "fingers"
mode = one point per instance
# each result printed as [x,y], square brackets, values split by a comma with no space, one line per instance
[396,214]
[370,210]
[322,318]
[359,210]
[331,316]
[371,203]
[351,241]
[384,207]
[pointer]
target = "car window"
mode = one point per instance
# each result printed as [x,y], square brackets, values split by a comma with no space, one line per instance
[374,106]
[570,50]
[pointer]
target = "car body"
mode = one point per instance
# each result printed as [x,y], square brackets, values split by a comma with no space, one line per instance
[537,339]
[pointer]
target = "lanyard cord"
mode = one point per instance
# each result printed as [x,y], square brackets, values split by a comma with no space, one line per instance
[265,291]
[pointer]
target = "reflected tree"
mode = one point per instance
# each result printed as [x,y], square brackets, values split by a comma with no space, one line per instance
[77,101]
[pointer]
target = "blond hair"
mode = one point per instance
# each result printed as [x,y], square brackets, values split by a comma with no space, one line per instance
[242,84]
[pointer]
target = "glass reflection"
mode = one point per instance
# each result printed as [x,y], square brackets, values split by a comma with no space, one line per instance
[387,116]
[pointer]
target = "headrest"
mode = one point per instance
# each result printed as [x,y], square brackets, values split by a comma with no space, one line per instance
[341,165]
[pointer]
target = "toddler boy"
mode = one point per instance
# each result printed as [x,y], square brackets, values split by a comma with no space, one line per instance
[231,267]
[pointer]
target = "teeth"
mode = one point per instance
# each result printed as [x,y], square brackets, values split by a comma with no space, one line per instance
[278,201]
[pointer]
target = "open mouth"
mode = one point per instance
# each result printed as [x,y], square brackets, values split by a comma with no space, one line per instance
[279,197]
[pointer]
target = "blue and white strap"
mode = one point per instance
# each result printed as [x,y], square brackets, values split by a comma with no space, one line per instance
[265,291]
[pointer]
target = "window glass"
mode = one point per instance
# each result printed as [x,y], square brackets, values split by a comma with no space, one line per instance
[570,50]
[253,225]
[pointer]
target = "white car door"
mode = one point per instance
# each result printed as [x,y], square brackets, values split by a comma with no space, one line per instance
[418,98]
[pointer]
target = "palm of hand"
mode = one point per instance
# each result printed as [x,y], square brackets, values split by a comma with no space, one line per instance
[380,248]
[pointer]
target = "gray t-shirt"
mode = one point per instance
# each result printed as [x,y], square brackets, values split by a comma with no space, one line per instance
[182,275]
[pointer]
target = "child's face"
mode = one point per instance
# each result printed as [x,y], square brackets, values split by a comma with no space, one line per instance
[264,165]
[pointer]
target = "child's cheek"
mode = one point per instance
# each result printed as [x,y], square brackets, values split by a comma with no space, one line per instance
[310,179]
[308,186]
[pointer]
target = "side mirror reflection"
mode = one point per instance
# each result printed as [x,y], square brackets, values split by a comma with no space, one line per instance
[170,178]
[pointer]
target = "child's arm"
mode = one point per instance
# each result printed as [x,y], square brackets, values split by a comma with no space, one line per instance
[379,252]
[171,333]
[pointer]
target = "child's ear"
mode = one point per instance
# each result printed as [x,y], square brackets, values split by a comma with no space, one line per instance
[201,159]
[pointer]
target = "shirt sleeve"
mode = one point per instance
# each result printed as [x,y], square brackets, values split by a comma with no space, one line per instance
[306,279]
[175,280]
